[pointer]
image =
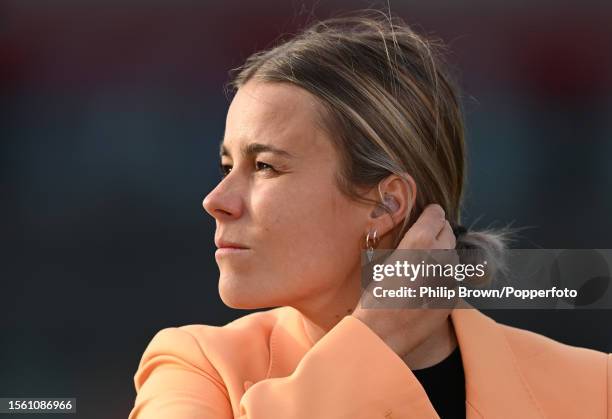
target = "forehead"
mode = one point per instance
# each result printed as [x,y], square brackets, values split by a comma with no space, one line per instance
[278,114]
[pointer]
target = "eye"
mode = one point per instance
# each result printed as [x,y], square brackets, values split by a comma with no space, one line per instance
[258,164]
[224,169]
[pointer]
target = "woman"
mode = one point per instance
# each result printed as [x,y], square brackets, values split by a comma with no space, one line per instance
[347,137]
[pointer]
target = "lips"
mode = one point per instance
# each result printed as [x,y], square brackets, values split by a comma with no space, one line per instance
[222,244]
[230,249]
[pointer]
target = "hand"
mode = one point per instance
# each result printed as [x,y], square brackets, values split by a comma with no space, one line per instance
[404,329]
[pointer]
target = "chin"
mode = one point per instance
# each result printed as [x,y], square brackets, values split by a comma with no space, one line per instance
[238,296]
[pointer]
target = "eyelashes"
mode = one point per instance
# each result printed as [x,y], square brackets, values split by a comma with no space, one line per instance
[269,166]
[225,169]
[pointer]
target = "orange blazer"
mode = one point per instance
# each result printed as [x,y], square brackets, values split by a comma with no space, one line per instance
[264,366]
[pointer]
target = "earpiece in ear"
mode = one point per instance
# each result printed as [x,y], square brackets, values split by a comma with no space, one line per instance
[389,201]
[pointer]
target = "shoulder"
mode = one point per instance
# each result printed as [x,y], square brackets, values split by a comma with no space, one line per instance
[545,362]
[529,345]
[253,330]
[241,345]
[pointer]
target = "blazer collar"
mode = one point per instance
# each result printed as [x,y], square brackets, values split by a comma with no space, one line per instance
[494,385]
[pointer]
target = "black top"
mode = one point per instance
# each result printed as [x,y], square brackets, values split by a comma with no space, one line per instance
[444,384]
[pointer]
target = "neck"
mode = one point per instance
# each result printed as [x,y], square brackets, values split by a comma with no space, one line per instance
[318,322]
[321,314]
[438,346]
[433,350]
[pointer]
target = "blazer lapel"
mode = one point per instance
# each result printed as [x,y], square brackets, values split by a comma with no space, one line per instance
[495,387]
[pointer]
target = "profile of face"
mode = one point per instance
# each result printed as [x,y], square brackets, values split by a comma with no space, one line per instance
[279,200]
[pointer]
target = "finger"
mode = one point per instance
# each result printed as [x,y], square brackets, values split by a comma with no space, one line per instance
[446,237]
[430,222]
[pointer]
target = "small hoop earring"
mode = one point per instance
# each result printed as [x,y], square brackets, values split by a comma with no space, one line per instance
[371,241]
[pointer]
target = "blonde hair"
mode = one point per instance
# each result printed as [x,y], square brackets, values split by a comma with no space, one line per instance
[391,108]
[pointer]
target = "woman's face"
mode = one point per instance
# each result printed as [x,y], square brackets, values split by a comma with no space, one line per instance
[303,237]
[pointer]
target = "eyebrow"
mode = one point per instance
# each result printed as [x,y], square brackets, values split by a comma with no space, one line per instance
[253,149]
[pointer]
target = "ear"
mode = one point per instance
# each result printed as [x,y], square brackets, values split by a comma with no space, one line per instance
[399,195]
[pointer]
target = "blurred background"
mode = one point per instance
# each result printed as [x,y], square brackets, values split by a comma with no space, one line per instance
[110,120]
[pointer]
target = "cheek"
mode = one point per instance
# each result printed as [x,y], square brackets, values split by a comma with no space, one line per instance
[313,235]
[296,216]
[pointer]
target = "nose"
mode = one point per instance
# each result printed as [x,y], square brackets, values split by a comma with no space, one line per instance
[222,203]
